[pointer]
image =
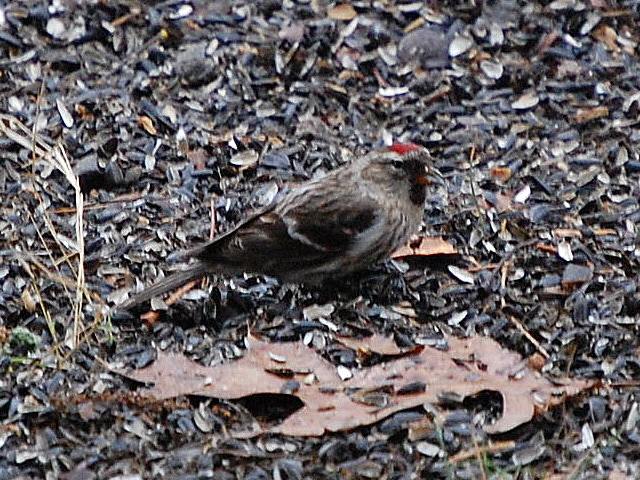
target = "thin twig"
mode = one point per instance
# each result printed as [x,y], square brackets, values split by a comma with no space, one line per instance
[508,255]
[54,235]
[42,151]
[125,18]
[61,279]
[41,148]
[129,197]
[48,319]
[496,447]
[530,337]
[62,162]
[84,335]
[179,293]
[479,458]
[150,317]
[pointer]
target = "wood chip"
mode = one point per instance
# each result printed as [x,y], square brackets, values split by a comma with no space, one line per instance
[147,124]
[342,11]
[588,114]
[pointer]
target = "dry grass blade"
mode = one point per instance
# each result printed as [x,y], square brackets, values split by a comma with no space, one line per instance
[17,132]
[9,128]
[61,161]
[48,250]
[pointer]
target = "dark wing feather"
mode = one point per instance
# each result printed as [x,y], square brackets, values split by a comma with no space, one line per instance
[289,242]
[336,233]
[205,249]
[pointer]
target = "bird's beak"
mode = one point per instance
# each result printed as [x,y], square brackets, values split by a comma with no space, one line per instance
[431,176]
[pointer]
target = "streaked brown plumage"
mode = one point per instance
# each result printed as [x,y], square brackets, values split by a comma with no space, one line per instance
[343,222]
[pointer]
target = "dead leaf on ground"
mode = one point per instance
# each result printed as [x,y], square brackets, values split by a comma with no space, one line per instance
[468,367]
[425,247]
[376,344]
[617,474]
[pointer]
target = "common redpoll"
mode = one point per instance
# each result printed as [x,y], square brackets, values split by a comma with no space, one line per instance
[349,219]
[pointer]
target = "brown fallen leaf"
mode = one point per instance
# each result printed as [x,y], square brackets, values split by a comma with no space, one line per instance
[5,333]
[425,247]
[28,301]
[376,343]
[84,113]
[468,367]
[503,202]
[87,411]
[198,158]
[617,474]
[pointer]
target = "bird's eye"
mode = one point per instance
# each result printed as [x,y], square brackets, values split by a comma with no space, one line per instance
[397,163]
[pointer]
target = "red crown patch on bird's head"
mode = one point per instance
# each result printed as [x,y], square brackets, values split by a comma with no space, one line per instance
[404,148]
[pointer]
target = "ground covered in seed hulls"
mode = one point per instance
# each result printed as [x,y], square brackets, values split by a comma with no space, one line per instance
[157,125]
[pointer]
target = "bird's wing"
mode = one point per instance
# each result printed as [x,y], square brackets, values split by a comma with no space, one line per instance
[301,234]
[221,239]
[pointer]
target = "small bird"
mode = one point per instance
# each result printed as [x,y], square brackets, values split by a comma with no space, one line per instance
[355,216]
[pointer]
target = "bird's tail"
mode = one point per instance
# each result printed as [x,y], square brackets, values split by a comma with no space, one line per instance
[173,281]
